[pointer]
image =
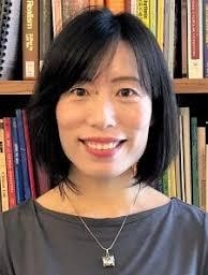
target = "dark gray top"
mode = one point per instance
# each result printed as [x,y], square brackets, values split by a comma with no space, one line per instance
[168,240]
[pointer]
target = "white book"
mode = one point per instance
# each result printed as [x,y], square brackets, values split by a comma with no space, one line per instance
[185,112]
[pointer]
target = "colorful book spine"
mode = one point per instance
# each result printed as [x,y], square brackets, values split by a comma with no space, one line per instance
[45,28]
[23,154]
[184,39]
[115,6]
[17,164]
[3,171]
[185,112]
[96,3]
[160,23]
[194,162]
[29,156]
[201,146]
[30,37]
[9,161]
[143,11]
[195,39]
[153,16]
[56,16]
[205,26]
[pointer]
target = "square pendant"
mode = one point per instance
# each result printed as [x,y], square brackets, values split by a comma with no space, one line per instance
[108,260]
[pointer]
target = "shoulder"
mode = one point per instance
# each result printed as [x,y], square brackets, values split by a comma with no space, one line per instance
[16,216]
[189,212]
[13,226]
[191,220]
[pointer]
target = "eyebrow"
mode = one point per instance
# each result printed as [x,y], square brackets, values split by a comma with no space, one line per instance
[126,78]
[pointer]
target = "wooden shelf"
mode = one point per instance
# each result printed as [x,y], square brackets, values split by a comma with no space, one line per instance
[16,87]
[191,86]
[181,86]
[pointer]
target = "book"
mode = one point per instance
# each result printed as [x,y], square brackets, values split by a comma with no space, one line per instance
[45,28]
[3,171]
[30,38]
[160,23]
[205,28]
[17,164]
[57,20]
[201,151]
[23,154]
[195,39]
[194,162]
[72,8]
[115,6]
[143,11]
[29,155]
[185,113]
[10,11]
[184,42]
[9,161]
[153,16]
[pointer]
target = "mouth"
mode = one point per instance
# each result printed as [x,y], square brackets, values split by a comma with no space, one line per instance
[103,148]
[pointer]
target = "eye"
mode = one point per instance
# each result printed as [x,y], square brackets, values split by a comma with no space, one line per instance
[78,91]
[126,92]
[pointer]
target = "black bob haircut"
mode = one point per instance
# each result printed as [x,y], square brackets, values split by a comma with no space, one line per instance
[76,55]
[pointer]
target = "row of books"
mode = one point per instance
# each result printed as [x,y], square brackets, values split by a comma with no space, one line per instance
[20,178]
[29,26]
[187,176]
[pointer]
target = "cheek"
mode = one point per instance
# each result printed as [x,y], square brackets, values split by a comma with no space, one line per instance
[67,118]
[139,117]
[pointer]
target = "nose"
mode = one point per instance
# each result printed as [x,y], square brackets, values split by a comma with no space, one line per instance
[102,114]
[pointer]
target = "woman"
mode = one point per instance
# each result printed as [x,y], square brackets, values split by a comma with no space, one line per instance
[104,126]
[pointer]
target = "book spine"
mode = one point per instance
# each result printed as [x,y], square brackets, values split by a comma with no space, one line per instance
[195,39]
[143,11]
[201,136]
[184,39]
[17,165]
[30,39]
[9,161]
[3,171]
[23,154]
[153,16]
[160,23]
[115,6]
[56,16]
[205,26]
[171,37]
[45,28]
[194,162]
[97,3]
[185,112]
[29,156]
[181,157]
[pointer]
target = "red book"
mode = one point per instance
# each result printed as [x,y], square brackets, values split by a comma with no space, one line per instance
[9,161]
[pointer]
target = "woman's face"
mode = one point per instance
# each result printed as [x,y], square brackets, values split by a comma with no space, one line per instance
[103,125]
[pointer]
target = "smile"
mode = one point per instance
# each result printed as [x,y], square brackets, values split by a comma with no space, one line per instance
[99,146]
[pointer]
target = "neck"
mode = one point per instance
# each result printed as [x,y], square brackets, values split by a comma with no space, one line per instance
[101,197]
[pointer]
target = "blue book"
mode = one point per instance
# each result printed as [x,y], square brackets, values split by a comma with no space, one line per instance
[23,154]
[17,166]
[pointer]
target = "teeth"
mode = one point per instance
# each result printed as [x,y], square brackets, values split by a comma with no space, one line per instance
[99,146]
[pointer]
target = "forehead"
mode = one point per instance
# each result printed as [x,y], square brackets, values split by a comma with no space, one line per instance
[120,62]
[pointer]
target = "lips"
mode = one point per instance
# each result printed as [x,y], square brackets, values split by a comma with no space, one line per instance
[102,147]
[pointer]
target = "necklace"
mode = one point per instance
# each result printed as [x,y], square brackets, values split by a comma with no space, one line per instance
[107,259]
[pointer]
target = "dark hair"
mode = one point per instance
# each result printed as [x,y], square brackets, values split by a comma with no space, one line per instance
[76,54]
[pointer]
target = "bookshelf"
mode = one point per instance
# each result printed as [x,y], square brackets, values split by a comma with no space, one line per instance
[181,86]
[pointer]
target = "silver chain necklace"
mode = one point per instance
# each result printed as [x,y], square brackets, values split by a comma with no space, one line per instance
[108,259]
